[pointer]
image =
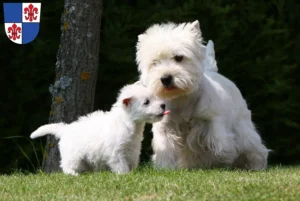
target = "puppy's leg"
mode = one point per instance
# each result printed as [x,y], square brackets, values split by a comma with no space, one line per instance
[164,147]
[70,171]
[72,165]
[119,164]
[253,152]
[68,168]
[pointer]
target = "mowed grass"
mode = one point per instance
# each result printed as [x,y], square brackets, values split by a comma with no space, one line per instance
[146,183]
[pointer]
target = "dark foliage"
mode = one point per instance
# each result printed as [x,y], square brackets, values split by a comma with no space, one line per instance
[257,46]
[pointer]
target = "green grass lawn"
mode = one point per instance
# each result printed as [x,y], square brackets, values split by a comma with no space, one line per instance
[146,183]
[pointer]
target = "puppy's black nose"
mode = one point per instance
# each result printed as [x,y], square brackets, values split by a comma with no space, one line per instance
[163,106]
[166,80]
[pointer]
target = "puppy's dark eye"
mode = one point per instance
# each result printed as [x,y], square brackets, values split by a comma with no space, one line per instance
[146,102]
[178,58]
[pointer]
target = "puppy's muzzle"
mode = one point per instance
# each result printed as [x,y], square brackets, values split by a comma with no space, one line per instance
[166,80]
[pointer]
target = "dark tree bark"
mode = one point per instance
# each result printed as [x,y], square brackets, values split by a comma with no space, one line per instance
[76,69]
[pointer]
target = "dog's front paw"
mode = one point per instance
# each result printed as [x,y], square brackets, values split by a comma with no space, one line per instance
[123,171]
[120,169]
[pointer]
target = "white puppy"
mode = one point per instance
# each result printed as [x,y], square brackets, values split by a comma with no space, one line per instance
[210,124]
[107,140]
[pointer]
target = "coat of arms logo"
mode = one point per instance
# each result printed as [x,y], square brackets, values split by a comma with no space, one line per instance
[22,21]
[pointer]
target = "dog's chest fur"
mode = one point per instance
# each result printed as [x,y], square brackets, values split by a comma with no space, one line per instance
[183,115]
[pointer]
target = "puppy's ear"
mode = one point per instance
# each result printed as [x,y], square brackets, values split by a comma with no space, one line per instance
[126,101]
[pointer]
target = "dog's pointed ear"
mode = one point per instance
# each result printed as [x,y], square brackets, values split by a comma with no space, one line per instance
[141,37]
[138,82]
[126,101]
[196,25]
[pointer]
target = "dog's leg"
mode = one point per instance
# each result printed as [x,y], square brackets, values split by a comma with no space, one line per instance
[221,142]
[253,153]
[194,154]
[164,147]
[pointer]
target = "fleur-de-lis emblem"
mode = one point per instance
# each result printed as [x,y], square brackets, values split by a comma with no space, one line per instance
[22,21]
[30,11]
[13,32]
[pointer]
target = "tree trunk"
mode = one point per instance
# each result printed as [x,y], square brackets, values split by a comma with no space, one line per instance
[76,69]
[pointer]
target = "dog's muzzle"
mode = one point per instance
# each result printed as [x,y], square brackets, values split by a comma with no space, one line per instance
[166,80]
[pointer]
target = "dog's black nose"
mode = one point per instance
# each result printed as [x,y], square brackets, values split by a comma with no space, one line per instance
[166,80]
[163,106]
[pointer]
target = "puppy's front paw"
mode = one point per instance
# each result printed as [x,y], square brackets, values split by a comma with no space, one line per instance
[70,172]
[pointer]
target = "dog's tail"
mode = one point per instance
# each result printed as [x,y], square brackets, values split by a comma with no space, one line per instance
[54,129]
[210,63]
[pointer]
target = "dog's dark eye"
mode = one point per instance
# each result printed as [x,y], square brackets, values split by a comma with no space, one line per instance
[146,102]
[178,58]
[154,63]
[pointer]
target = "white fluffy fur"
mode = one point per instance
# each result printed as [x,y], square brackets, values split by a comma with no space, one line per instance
[210,124]
[107,140]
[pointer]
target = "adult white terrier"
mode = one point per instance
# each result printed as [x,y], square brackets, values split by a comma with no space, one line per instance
[210,124]
[107,140]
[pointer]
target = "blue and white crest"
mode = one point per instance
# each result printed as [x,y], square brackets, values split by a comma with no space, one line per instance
[22,21]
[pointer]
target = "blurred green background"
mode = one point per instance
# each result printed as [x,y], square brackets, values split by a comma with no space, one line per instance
[257,46]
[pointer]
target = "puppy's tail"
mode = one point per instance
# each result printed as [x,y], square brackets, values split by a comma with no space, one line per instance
[53,129]
[210,63]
